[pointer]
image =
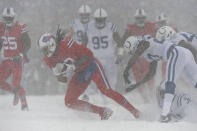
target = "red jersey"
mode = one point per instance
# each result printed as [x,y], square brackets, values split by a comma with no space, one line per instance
[148,29]
[11,37]
[141,67]
[68,49]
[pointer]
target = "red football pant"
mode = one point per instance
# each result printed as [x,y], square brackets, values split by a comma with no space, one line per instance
[75,89]
[8,67]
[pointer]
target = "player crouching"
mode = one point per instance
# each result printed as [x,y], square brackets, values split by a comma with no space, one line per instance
[65,57]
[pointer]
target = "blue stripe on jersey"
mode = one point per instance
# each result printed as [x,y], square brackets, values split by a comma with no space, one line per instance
[172,64]
[113,28]
[169,66]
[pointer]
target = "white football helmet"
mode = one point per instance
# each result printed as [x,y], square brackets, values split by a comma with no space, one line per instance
[84,12]
[131,44]
[140,17]
[100,16]
[165,33]
[47,44]
[161,20]
[8,16]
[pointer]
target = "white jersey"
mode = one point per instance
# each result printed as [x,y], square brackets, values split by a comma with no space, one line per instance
[79,29]
[187,37]
[100,41]
[158,50]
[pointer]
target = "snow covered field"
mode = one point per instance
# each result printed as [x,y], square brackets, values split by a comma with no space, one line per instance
[48,113]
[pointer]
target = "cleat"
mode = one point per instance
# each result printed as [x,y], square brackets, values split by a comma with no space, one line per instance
[136,114]
[106,114]
[16,99]
[24,107]
[165,119]
[85,98]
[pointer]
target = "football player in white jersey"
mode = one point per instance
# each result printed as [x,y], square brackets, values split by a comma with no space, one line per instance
[178,60]
[181,103]
[183,39]
[81,25]
[101,36]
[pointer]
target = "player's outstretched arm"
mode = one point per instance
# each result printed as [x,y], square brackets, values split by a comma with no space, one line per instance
[149,76]
[120,50]
[117,39]
[140,50]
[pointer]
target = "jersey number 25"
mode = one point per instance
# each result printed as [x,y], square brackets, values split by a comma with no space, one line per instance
[9,43]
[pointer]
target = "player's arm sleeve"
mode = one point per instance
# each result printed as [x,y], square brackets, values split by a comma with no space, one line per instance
[26,41]
[117,39]
[126,34]
[141,48]
[150,74]
[189,47]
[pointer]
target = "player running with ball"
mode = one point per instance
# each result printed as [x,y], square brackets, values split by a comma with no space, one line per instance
[64,56]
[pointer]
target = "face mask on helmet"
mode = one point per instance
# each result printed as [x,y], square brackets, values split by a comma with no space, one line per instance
[8,16]
[100,22]
[84,12]
[100,16]
[47,44]
[161,20]
[84,18]
[8,20]
[161,23]
[140,21]
[131,44]
[165,33]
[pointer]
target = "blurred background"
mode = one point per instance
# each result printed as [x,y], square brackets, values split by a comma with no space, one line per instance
[45,15]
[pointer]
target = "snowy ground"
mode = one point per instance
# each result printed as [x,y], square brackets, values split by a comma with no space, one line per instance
[48,113]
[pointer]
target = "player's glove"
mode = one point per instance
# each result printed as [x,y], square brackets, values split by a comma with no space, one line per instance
[60,34]
[120,54]
[18,58]
[126,77]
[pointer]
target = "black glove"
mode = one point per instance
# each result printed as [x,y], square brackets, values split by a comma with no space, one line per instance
[126,77]
[131,87]
[60,34]
[18,58]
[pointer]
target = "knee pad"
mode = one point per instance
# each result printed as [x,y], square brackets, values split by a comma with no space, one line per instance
[170,87]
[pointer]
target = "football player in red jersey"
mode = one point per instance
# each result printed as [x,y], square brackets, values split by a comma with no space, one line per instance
[65,57]
[15,43]
[141,27]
